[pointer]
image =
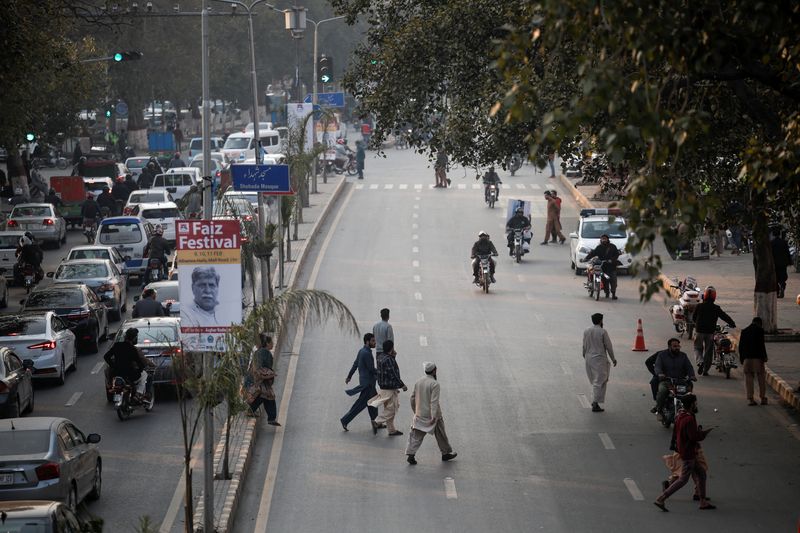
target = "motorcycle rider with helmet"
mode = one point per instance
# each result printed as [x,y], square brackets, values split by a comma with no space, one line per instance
[159,247]
[127,361]
[106,199]
[28,253]
[120,192]
[490,178]
[705,318]
[483,246]
[342,155]
[518,221]
[607,251]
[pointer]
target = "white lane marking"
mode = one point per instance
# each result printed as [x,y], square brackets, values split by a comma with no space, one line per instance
[415,215]
[450,488]
[277,441]
[415,263]
[417,279]
[530,296]
[566,369]
[73,399]
[415,249]
[505,186]
[584,402]
[414,237]
[418,186]
[550,340]
[414,226]
[98,367]
[420,317]
[403,186]
[476,186]
[606,440]
[520,185]
[521,278]
[373,186]
[633,489]
[416,206]
[423,340]
[418,296]
[538,316]
[535,186]
[462,185]
[389,186]
[416,198]
[359,186]
[177,498]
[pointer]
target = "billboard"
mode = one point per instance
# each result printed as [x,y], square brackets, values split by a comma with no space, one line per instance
[209,281]
[295,113]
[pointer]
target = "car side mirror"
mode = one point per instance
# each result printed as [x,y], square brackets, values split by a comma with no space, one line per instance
[93,438]
[136,298]
[573,235]
[50,274]
[27,364]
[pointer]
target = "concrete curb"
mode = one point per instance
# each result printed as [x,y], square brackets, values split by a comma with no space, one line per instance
[224,521]
[783,389]
[576,194]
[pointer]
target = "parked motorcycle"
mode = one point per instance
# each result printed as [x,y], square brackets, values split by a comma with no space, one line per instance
[682,313]
[596,277]
[491,194]
[484,272]
[724,353]
[127,400]
[678,388]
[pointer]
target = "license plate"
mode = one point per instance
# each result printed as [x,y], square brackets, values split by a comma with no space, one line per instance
[6,479]
[117,397]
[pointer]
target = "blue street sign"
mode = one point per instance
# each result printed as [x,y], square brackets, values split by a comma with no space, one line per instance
[122,109]
[327,99]
[270,179]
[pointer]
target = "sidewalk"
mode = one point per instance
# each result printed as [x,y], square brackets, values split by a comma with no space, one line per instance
[228,492]
[732,276]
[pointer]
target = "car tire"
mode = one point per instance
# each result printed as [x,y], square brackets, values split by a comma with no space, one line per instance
[64,238]
[31,403]
[15,411]
[4,301]
[72,499]
[115,315]
[105,333]
[93,346]
[97,483]
[74,365]
[63,372]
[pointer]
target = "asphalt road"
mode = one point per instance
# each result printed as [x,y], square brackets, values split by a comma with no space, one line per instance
[532,456]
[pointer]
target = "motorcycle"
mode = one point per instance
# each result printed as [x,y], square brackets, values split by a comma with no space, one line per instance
[127,400]
[519,242]
[348,166]
[90,231]
[154,271]
[514,163]
[491,194]
[52,159]
[724,354]
[596,277]
[484,272]
[682,313]
[678,388]
[29,277]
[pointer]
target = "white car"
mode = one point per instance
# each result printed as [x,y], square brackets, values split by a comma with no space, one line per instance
[9,240]
[592,223]
[96,185]
[136,164]
[95,251]
[177,181]
[42,220]
[162,213]
[241,146]
[146,196]
[43,337]
[196,145]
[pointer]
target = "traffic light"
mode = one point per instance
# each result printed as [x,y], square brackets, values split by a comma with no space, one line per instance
[325,69]
[127,55]
[109,112]
[30,137]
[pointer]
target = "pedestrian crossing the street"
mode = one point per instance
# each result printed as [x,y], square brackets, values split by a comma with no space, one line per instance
[459,186]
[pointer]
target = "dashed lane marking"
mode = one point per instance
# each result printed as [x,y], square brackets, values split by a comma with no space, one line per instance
[420,317]
[418,296]
[414,226]
[415,215]
[373,186]
[359,186]
[462,185]
[450,488]
[389,186]
[606,440]
[423,340]
[417,279]
[414,237]
[537,316]
[536,186]
[476,186]
[418,186]
[584,401]
[550,340]
[73,399]
[520,185]
[415,264]
[636,494]
[403,186]
[98,367]
[415,249]
[416,206]
[521,278]
[530,296]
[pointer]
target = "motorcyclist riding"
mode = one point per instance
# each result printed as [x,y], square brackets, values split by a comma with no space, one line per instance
[490,178]
[607,251]
[671,363]
[176,161]
[518,221]
[120,192]
[342,155]
[148,173]
[127,361]
[28,253]
[106,199]
[159,247]
[191,203]
[483,246]
[53,199]
[90,211]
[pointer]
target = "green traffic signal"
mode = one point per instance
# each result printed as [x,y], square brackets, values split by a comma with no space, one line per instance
[108,113]
[325,69]
[30,137]
[118,56]
[126,55]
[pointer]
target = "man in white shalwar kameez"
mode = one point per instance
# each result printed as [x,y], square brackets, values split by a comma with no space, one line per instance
[597,350]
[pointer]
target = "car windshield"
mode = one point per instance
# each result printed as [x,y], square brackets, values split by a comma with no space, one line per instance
[237,143]
[82,271]
[197,144]
[8,241]
[31,211]
[593,229]
[95,185]
[168,292]
[52,299]
[98,253]
[152,334]
[120,233]
[24,442]
[137,163]
[14,325]
[146,197]
[26,525]
[162,212]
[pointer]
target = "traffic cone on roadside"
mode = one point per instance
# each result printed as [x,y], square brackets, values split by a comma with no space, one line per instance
[638,344]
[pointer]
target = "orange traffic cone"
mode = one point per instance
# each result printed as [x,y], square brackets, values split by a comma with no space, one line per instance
[638,344]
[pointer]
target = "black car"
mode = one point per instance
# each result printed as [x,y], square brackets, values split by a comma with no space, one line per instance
[16,387]
[79,306]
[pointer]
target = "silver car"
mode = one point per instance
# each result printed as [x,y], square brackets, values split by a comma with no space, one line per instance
[9,240]
[43,337]
[100,275]
[47,458]
[167,293]
[42,220]
[96,251]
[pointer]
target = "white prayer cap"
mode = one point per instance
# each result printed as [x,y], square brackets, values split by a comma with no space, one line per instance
[429,367]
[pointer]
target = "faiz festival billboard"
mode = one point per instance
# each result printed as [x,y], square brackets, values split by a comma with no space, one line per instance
[209,281]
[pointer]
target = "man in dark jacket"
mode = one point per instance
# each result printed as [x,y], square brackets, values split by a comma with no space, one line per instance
[606,251]
[706,315]
[753,356]
[782,258]
[390,383]
[670,363]
[106,199]
[483,246]
[124,359]
[365,364]
[120,192]
[148,306]
[90,210]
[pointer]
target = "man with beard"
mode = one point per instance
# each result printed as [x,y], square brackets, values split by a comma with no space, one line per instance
[205,289]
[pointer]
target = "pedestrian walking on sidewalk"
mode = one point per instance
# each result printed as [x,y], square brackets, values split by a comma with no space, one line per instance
[687,435]
[753,356]
[782,258]
[361,156]
[365,364]
[260,380]
[383,332]
[597,350]
[705,319]
[427,416]
[389,381]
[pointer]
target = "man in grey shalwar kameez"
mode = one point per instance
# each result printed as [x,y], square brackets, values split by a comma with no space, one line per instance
[597,350]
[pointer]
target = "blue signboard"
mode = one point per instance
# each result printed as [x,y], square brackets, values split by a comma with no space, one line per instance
[270,179]
[327,99]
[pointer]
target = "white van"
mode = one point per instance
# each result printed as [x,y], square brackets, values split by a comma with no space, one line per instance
[177,181]
[241,146]
[129,235]
[196,145]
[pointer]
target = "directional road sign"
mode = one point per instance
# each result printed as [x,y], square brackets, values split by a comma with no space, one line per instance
[122,109]
[327,99]
[270,179]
